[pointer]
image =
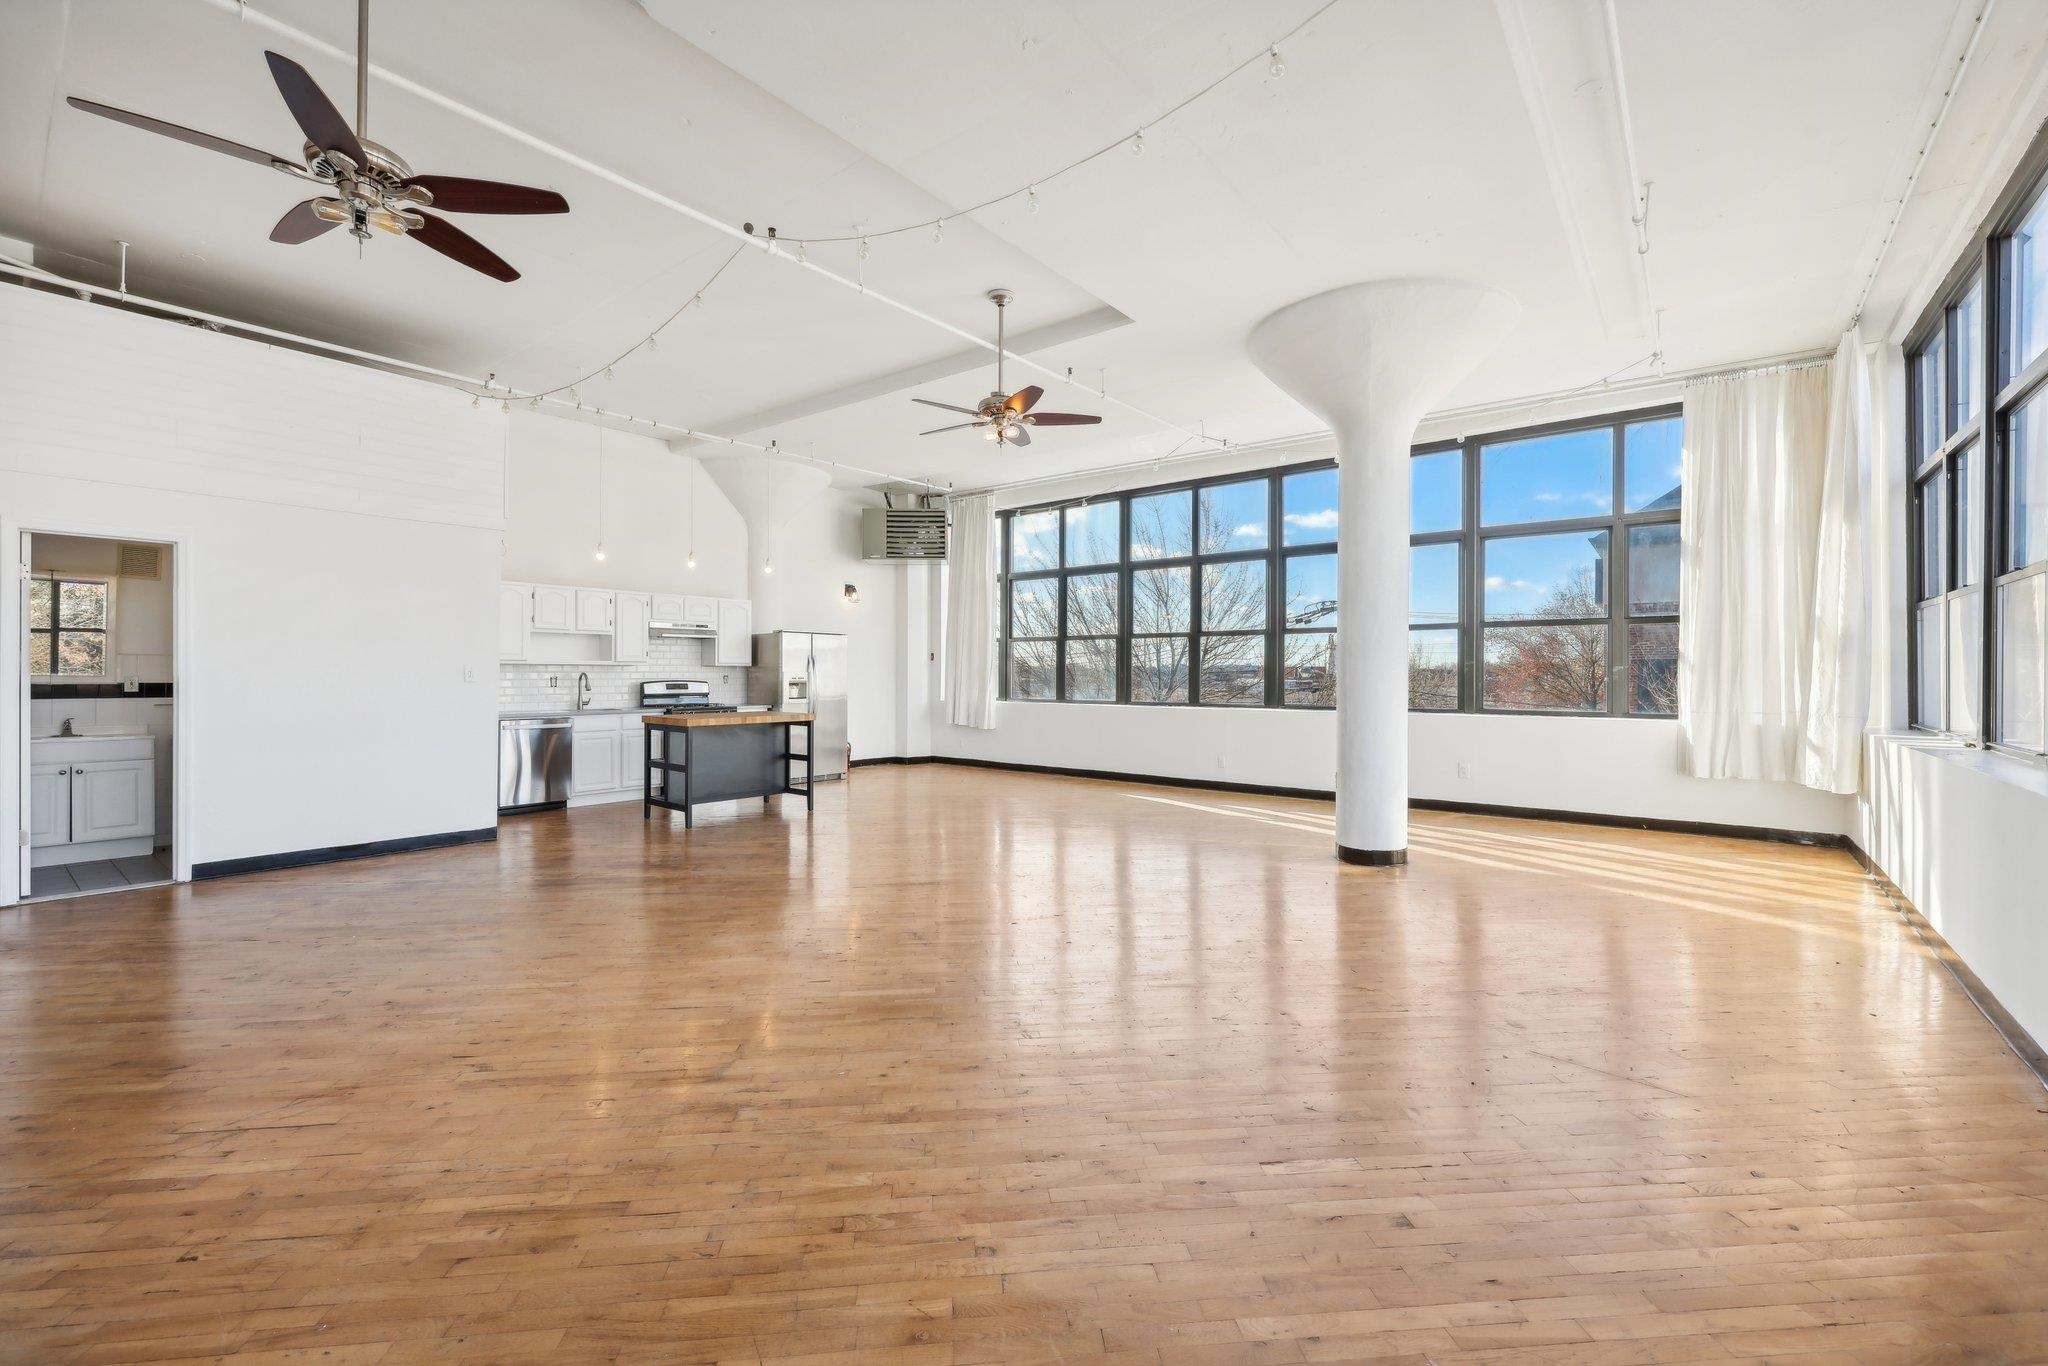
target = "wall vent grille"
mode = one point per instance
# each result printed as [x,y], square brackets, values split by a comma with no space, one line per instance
[141,561]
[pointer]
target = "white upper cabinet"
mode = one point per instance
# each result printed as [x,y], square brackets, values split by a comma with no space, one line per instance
[735,644]
[629,628]
[667,607]
[680,609]
[594,610]
[700,611]
[515,617]
[554,609]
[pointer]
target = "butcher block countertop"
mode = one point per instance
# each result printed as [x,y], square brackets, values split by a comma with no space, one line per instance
[686,721]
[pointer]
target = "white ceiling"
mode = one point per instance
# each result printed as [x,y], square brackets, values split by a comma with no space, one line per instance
[1470,138]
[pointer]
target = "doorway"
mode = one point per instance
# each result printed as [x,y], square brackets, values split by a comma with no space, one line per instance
[98,643]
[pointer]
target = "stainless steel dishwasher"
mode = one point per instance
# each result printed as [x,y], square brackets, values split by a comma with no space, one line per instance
[534,757]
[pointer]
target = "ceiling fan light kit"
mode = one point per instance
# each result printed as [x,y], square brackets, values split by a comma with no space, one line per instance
[1006,419]
[371,186]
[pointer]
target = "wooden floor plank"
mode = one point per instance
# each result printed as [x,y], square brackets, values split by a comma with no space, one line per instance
[978,1067]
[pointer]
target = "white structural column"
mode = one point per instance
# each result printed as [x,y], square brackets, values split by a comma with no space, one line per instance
[1370,359]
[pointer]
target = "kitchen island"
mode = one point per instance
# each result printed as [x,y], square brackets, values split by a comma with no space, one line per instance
[725,756]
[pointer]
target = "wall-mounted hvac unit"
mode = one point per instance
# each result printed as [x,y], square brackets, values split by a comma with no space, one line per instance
[908,535]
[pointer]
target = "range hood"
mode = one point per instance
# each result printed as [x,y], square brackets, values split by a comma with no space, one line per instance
[695,629]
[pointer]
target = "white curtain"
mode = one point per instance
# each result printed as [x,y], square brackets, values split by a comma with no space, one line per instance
[1838,655]
[971,565]
[1754,476]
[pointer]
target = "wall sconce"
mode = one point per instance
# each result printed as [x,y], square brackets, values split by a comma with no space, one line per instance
[851,594]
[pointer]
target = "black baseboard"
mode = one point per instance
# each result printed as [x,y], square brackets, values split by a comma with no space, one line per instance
[339,853]
[1151,779]
[2009,1029]
[1815,838]
[1373,858]
[897,759]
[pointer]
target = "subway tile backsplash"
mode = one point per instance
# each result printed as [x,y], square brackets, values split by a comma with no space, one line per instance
[527,687]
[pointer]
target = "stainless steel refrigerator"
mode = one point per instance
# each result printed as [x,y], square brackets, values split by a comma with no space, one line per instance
[806,671]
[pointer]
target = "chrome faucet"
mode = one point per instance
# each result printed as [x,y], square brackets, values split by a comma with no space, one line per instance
[583,691]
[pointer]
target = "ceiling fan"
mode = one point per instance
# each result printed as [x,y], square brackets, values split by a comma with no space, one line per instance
[1006,419]
[371,187]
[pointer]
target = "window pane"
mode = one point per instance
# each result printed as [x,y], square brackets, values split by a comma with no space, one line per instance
[1031,669]
[1311,676]
[1234,596]
[82,605]
[2023,663]
[1162,601]
[1969,532]
[82,652]
[1234,517]
[1653,570]
[1091,604]
[1927,399]
[1546,668]
[1035,608]
[1966,339]
[1652,464]
[1433,670]
[1965,661]
[1653,668]
[1545,478]
[40,592]
[39,655]
[1163,526]
[1095,533]
[1933,573]
[1927,674]
[1308,508]
[1159,669]
[2027,479]
[1312,591]
[1091,671]
[1433,584]
[1533,577]
[1034,541]
[2027,306]
[1234,670]
[1436,493]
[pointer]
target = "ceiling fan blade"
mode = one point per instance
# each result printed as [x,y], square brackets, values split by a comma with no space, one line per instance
[949,407]
[957,426]
[182,134]
[301,224]
[1021,401]
[1020,437]
[459,194]
[458,245]
[1063,419]
[323,124]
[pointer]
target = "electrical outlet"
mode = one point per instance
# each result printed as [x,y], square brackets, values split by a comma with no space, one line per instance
[469,673]
[1463,770]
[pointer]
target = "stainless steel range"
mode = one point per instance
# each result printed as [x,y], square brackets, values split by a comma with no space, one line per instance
[676,695]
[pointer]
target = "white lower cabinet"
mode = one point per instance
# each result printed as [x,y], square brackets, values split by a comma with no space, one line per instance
[91,798]
[49,804]
[606,761]
[113,800]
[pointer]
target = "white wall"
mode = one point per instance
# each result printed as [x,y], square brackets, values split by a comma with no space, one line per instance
[337,539]
[1601,765]
[651,494]
[817,553]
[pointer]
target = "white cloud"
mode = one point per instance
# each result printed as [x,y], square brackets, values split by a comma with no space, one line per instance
[1313,521]
[1249,529]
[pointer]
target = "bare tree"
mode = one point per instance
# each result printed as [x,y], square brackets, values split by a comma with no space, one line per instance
[1542,665]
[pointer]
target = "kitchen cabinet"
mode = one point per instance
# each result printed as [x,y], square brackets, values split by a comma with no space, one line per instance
[554,609]
[515,619]
[681,609]
[630,619]
[91,797]
[735,643]
[598,756]
[594,607]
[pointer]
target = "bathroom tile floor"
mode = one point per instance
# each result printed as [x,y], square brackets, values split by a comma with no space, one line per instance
[101,875]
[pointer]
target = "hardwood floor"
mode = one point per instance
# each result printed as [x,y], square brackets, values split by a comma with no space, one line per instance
[977,1067]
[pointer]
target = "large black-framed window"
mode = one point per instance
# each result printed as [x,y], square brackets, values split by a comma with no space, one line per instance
[1977,451]
[1544,579]
[1544,569]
